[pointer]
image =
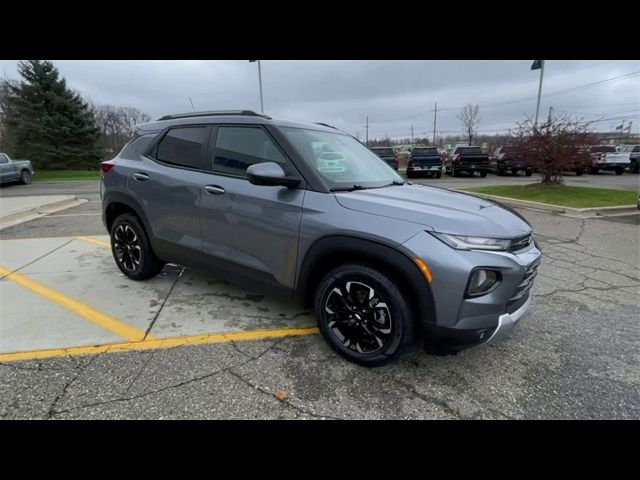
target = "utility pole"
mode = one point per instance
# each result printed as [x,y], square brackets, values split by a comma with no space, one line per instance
[435,122]
[366,135]
[539,91]
[412,133]
[260,81]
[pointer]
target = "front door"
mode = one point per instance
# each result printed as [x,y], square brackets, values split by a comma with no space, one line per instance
[244,224]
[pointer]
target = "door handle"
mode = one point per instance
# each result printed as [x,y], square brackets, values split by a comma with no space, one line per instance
[214,189]
[141,176]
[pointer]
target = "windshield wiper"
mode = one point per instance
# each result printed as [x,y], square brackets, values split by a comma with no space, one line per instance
[395,182]
[347,189]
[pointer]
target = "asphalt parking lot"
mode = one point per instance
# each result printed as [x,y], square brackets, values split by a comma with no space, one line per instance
[79,340]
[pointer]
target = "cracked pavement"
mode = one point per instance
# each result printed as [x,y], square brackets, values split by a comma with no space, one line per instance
[576,355]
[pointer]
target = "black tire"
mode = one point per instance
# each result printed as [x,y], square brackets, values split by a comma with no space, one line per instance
[483,173]
[438,174]
[25,177]
[593,171]
[128,237]
[410,175]
[363,327]
[453,172]
[635,167]
[528,172]
[619,171]
[579,172]
[500,172]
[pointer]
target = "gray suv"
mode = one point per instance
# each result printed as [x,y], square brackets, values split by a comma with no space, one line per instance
[309,210]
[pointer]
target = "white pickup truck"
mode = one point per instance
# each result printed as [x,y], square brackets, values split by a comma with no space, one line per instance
[627,155]
[15,170]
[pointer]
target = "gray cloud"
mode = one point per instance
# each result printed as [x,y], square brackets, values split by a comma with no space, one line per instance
[393,94]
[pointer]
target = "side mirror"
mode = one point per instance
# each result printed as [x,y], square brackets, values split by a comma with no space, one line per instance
[270,174]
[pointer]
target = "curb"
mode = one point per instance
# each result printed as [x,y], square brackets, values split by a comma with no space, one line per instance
[558,209]
[31,213]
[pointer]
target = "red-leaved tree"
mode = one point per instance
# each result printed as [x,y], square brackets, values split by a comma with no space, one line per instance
[558,145]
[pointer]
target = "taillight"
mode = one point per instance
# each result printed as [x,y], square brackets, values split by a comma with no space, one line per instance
[106,166]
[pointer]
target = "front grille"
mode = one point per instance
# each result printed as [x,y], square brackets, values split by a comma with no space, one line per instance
[522,290]
[520,243]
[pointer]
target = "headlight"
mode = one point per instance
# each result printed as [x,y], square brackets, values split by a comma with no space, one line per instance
[461,242]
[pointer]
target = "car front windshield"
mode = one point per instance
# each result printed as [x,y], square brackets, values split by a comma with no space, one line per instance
[342,161]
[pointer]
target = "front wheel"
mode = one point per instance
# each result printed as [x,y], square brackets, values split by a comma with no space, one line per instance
[363,315]
[483,173]
[25,177]
[528,172]
[619,171]
[131,249]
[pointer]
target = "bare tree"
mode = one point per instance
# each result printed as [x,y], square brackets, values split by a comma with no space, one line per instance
[555,146]
[470,117]
[117,125]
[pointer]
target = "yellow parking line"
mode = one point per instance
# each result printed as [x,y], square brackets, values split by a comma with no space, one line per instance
[94,241]
[159,343]
[85,311]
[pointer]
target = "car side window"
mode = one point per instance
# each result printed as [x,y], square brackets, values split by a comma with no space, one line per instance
[636,149]
[237,148]
[183,146]
[3,158]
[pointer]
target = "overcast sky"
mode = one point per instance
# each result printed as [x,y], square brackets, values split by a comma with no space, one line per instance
[393,94]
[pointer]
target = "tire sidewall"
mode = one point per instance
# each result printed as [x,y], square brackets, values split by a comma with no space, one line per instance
[25,178]
[396,302]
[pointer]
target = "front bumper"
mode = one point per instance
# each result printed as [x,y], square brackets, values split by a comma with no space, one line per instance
[460,321]
[507,321]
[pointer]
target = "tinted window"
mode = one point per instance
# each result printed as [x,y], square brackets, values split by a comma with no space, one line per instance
[468,150]
[237,148]
[136,147]
[183,146]
[603,148]
[424,151]
[636,149]
[3,158]
[387,152]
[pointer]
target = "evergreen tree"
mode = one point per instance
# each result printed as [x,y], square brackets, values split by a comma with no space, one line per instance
[48,123]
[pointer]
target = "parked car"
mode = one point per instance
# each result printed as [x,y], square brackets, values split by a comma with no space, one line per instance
[424,161]
[242,195]
[507,159]
[467,158]
[388,155]
[15,170]
[627,156]
[602,159]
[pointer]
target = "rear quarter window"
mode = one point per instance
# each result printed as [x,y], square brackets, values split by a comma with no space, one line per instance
[137,147]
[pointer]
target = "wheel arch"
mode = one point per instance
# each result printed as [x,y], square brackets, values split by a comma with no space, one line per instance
[116,203]
[334,250]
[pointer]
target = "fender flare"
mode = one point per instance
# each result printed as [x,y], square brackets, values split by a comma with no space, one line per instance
[396,258]
[120,197]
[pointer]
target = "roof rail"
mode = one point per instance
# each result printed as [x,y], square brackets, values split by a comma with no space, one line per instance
[326,125]
[249,113]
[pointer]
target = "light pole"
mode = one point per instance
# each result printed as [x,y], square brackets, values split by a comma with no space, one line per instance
[260,81]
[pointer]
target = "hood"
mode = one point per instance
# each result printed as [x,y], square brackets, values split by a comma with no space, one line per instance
[438,209]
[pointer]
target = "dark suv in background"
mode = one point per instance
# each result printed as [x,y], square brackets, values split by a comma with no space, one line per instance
[507,159]
[388,155]
[309,210]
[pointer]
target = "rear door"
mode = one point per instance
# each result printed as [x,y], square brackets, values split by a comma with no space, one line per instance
[169,186]
[246,225]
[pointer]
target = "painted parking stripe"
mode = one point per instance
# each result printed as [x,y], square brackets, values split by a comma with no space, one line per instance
[160,343]
[95,241]
[85,311]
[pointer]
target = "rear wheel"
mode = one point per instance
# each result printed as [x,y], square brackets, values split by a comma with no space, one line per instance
[363,315]
[579,172]
[500,172]
[619,171]
[483,173]
[635,167]
[410,175]
[438,174]
[131,248]
[528,172]
[25,177]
